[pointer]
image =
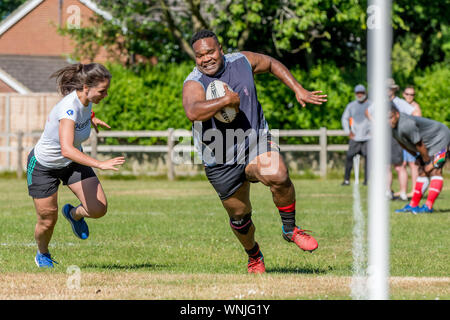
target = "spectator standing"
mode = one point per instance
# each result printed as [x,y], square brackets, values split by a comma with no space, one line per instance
[409,160]
[357,126]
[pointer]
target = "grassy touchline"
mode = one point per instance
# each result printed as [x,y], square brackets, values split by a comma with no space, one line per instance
[181,227]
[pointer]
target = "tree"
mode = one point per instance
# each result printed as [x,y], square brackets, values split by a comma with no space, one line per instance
[8,6]
[304,32]
[427,19]
[287,29]
[146,28]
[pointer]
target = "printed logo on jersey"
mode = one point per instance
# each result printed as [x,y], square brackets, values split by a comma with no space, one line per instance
[70,112]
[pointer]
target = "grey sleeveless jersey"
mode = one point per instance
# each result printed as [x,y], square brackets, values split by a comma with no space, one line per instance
[229,143]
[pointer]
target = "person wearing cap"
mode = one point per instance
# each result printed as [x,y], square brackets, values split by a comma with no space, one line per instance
[357,127]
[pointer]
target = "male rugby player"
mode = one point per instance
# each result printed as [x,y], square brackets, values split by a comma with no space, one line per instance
[431,139]
[242,151]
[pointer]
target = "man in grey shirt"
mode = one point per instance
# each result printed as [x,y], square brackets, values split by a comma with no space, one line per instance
[396,149]
[431,140]
[357,126]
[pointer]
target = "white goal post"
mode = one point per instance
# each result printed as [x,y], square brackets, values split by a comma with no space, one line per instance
[379,43]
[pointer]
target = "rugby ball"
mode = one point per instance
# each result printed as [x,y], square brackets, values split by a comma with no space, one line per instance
[216,90]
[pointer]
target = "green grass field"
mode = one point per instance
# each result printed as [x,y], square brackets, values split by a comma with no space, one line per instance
[172,240]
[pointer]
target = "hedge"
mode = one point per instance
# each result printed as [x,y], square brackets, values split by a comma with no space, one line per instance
[151,98]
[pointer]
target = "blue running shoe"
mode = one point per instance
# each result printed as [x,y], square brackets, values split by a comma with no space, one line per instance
[44,260]
[80,227]
[422,209]
[406,208]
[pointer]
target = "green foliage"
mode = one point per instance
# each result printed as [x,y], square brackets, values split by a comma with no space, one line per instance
[138,29]
[427,19]
[8,6]
[443,37]
[295,32]
[282,109]
[432,92]
[406,54]
[149,99]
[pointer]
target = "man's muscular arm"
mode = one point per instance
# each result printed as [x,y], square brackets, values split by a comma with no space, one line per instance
[412,152]
[262,63]
[423,151]
[197,108]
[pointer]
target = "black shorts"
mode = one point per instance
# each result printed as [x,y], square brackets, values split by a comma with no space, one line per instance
[357,147]
[43,182]
[227,179]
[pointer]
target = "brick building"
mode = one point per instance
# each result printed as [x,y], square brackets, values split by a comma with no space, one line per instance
[31,48]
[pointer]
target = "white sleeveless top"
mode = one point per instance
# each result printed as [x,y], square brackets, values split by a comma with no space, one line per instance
[48,149]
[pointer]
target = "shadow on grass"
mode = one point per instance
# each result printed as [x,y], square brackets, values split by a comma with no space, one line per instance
[298,270]
[124,266]
[441,210]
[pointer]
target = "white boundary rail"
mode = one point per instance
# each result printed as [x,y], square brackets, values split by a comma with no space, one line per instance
[173,135]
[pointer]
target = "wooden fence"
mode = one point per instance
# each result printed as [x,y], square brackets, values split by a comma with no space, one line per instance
[20,149]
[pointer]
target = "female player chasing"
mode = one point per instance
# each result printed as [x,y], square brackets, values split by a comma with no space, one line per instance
[58,156]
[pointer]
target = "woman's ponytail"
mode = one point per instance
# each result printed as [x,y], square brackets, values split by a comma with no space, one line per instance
[75,76]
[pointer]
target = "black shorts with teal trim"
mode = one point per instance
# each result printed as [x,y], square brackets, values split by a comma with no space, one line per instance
[44,182]
[228,178]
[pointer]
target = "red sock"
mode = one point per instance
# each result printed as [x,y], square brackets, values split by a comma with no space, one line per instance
[419,189]
[436,184]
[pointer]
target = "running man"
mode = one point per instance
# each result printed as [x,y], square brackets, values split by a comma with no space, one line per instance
[231,165]
[58,156]
[431,139]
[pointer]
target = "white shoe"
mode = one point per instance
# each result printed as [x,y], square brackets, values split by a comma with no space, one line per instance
[403,196]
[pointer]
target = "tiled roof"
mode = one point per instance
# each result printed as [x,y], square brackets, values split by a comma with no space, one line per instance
[30,5]
[33,72]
